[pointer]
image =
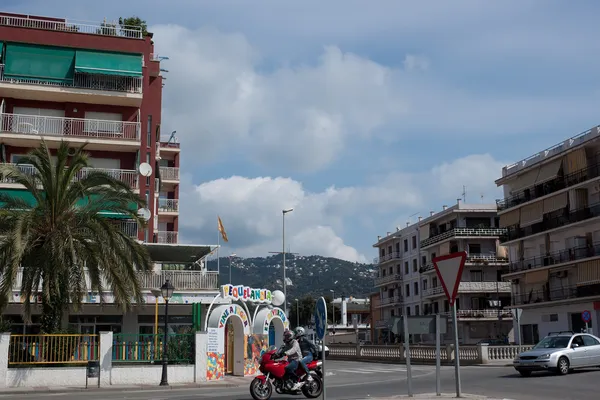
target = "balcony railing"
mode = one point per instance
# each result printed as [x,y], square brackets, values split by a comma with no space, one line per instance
[466,232]
[167,237]
[479,259]
[388,279]
[169,145]
[69,127]
[168,205]
[130,177]
[169,173]
[471,287]
[64,25]
[480,314]
[564,293]
[110,83]
[390,256]
[129,227]
[535,192]
[391,300]
[566,218]
[556,257]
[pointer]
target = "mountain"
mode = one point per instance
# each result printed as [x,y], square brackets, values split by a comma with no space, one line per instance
[310,276]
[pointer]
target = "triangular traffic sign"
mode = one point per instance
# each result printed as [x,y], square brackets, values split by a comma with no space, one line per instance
[449,270]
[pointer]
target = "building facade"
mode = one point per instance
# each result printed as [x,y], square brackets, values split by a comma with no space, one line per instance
[551,210]
[100,85]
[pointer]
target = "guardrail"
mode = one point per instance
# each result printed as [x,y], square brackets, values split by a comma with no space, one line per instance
[141,348]
[420,354]
[53,349]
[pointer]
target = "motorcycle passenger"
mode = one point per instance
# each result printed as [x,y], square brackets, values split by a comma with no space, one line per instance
[291,349]
[308,349]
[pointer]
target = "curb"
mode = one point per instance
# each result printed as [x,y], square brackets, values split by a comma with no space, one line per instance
[95,389]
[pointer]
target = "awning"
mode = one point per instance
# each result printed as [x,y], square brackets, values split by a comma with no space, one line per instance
[548,171]
[555,203]
[588,273]
[510,218]
[41,63]
[524,181]
[532,214]
[424,232]
[575,161]
[536,277]
[108,63]
[177,253]
[1,48]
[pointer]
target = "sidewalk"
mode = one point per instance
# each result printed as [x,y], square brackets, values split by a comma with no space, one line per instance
[432,396]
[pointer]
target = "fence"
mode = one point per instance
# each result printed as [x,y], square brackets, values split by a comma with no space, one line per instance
[53,349]
[149,348]
[419,354]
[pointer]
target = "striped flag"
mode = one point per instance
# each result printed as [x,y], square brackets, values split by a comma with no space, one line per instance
[222,229]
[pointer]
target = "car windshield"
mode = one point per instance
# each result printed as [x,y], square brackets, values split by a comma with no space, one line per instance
[556,342]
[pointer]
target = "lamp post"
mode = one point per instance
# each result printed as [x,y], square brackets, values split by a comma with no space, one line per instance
[283,212]
[230,257]
[166,290]
[333,306]
[297,313]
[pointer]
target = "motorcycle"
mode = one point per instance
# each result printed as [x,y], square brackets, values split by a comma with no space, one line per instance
[273,369]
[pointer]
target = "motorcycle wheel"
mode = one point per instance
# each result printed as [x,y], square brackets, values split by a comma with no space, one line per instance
[313,389]
[260,391]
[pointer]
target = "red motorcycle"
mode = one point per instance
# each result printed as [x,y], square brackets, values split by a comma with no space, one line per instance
[273,369]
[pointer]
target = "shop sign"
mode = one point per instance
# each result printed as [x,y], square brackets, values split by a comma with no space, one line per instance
[245,293]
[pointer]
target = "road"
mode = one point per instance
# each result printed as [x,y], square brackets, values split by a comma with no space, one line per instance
[354,380]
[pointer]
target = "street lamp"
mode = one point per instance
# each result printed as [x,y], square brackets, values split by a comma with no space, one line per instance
[166,290]
[283,212]
[333,306]
[230,257]
[297,313]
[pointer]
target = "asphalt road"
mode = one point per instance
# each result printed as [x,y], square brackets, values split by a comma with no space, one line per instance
[353,380]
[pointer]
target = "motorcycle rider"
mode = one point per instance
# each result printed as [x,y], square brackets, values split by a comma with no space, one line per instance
[308,349]
[291,349]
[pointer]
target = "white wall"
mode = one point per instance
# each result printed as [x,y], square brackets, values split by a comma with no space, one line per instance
[541,317]
[150,374]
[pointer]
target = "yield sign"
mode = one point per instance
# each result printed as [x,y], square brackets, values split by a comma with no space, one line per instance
[449,270]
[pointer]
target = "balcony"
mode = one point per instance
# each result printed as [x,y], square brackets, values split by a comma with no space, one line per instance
[565,293]
[388,279]
[556,257]
[390,256]
[387,301]
[166,237]
[169,174]
[64,25]
[129,227]
[535,192]
[473,259]
[24,130]
[83,88]
[463,233]
[181,280]
[471,287]
[130,177]
[547,224]
[482,314]
[168,206]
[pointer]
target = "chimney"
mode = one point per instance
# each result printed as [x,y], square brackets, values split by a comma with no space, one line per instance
[431,213]
[458,201]
[407,223]
[397,228]
[378,238]
[444,207]
[420,218]
[388,233]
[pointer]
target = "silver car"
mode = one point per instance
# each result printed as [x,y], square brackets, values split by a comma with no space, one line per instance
[560,352]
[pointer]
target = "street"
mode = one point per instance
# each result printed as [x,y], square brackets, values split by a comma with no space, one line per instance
[354,380]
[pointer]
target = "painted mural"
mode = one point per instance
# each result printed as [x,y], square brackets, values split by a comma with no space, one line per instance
[275,313]
[215,366]
[256,346]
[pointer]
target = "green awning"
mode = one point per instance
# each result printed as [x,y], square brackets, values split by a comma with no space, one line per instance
[41,63]
[1,49]
[108,63]
[29,199]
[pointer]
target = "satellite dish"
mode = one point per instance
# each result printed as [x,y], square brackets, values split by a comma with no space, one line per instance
[144,213]
[145,169]
[277,298]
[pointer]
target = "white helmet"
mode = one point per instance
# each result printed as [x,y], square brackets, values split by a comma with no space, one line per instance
[300,331]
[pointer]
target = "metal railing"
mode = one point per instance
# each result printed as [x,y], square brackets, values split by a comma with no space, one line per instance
[64,25]
[532,193]
[169,145]
[131,228]
[168,237]
[182,280]
[388,279]
[387,257]
[53,349]
[141,348]
[480,259]
[564,293]
[471,287]
[566,218]
[477,314]
[168,205]
[556,257]
[169,173]
[466,232]
[75,127]
[110,83]
[391,300]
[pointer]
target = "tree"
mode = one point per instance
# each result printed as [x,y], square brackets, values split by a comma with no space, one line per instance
[127,24]
[59,236]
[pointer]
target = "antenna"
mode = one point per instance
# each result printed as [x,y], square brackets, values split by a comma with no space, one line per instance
[172,137]
[144,213]
[481,195]
[464,194]
[410,218]
[145,169]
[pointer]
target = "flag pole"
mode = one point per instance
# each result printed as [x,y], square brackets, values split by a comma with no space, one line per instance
[218,258]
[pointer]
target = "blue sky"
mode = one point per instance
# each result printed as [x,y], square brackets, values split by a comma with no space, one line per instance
[357,114]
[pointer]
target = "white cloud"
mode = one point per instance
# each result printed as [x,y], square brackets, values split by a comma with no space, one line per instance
[414,62]
[251,207]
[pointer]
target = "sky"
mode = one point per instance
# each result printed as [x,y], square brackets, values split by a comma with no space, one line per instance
[360,115]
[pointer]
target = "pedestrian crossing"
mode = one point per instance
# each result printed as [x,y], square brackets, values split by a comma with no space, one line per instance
[366,371]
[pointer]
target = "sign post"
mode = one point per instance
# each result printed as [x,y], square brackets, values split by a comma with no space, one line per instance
[586,316]
[449,271]
[438,357]
[407,356]
[517,313]
[321,330]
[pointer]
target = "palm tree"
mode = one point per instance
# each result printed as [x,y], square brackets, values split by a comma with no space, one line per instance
[60,235]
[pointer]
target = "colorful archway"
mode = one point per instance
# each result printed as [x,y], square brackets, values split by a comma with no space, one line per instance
[267,317]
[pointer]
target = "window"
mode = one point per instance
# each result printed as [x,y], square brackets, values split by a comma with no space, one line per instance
[391,270]
[392,313]
[416,310]
[149,131]
[406,268]
[397,247]
[383,271]
[147,230]
[408,311]
[434,282]
[398,269]
[415,265]
[424,284]
[148,177]
[530,333]
[436,308]
[423,260]
[476,276]
[405,245]
[590,341]
[407,290]
[416,288]
[446,306]
[414,242]
[474,249]
[432,256]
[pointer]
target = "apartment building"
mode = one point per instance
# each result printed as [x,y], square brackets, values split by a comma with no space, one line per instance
[551,210]
[101,85]
[472,228]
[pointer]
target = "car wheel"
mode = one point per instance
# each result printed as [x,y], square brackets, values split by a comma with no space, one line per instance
[525,373]
[563,366]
